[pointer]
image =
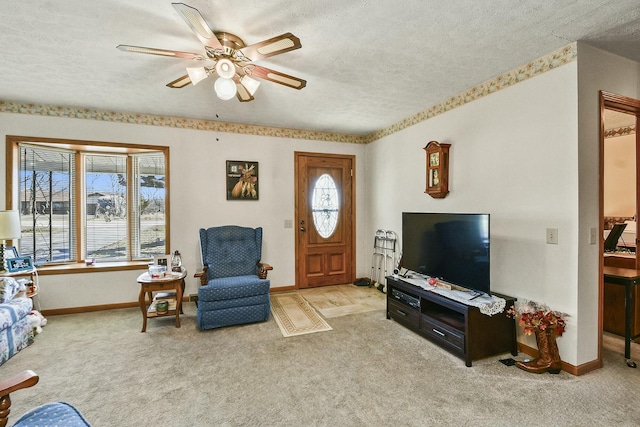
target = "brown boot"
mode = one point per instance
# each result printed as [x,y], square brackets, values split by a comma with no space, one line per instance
[543,362]
[556,364]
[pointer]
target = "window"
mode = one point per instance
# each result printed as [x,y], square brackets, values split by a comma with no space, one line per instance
[80,200]
[324,205]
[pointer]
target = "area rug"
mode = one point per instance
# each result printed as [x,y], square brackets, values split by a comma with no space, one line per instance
[295,316]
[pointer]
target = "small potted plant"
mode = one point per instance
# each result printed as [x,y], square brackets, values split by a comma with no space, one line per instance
[546,324]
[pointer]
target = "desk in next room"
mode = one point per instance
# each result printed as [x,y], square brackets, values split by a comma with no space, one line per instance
[629,279]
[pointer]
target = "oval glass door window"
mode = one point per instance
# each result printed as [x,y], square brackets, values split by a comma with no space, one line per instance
[325,205]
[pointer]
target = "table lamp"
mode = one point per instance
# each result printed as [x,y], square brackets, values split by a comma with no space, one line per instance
[9,229]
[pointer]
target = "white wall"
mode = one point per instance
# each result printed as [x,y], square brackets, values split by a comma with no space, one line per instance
[514,156]
[597,70]
[198,198]
[528,155]
[620,176]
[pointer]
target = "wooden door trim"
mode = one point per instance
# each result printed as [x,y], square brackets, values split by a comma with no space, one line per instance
[623,104]
[296,189]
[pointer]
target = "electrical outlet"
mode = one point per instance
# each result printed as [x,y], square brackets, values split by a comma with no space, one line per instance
[552,236]
[593,236]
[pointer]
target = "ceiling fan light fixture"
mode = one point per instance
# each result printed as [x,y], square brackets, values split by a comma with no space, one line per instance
[225,88]
[225,69]
[227,56]
[250,84]
[197,74]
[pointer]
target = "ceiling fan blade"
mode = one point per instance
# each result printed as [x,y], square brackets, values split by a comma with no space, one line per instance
[275,46]
[161,52]
[243,94]
[198,25]
[277,77]
[181,82]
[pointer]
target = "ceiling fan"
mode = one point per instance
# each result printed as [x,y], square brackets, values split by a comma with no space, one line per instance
[227,56]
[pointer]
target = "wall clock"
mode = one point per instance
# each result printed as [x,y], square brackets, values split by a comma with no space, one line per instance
[437,169]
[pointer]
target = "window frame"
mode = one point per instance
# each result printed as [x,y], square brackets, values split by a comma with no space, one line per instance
[82,147]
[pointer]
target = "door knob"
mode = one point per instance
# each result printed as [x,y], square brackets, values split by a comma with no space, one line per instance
[303,229]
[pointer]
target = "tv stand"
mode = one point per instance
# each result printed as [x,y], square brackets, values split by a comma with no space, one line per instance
[454,326]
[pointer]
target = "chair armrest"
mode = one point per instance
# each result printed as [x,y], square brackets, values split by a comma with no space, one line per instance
[202,275]
[19,381]
[263,270]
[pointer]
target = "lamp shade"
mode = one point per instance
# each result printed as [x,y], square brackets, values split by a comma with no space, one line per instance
[225,69]
[10,225]
[197,74]
[250,84]
[225,88]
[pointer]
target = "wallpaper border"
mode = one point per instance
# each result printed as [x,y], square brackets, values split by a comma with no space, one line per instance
[534,68]
[623,131]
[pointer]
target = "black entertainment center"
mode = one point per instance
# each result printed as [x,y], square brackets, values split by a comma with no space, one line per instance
[453,249]
[457,327]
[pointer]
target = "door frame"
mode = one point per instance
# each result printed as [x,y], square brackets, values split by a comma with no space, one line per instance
[623,104]
[296,190]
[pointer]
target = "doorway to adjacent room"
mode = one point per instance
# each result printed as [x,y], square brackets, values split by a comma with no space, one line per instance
[619,197]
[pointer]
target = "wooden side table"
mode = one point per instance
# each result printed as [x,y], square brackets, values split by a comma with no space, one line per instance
[172,285]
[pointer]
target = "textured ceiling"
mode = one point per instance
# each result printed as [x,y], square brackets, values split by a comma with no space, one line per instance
[368,64]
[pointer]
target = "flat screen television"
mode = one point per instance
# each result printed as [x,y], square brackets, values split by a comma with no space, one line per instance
[453,247]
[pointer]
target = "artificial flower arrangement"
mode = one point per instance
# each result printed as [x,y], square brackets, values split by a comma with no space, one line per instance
[533,316]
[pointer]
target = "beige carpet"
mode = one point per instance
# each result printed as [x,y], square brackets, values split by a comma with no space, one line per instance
[295,316]
[367,371]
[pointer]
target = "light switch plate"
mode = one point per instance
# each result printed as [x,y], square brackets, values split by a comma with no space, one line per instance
[552,236]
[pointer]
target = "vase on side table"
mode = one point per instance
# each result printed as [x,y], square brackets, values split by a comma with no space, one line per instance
[162,307]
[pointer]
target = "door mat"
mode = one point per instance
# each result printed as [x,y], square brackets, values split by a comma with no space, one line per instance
[295,316]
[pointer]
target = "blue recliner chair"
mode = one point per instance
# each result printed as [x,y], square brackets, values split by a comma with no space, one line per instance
[235,288]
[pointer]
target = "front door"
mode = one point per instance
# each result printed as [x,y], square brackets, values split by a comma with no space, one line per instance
[325,223]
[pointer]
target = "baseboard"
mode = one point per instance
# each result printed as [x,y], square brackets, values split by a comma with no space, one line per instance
[92,308]
[283,289]
[88,309]
[523,348]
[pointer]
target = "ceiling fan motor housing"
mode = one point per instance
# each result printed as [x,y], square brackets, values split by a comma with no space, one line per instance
[230,43]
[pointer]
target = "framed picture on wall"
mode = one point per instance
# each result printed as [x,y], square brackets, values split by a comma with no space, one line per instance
[242,180]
